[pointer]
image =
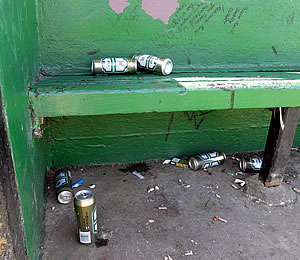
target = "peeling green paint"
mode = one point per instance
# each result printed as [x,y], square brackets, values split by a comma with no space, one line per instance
[18,68]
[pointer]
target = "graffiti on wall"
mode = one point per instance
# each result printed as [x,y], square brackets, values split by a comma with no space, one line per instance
[196,117]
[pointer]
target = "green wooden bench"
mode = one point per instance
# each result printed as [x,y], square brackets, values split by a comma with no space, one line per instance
[81,94]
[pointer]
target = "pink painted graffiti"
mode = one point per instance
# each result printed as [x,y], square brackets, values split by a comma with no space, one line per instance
[160,9]
[118,5]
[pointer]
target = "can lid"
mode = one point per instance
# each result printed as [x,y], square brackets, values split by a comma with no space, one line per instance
[167,67]
[243,165]
[193,163]
[83,195]
[65,197]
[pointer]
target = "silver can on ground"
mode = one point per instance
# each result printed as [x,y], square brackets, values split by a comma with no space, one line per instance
[63,183]
[251,164]
[149,63]
[114,66]
[86,213]
[206,160]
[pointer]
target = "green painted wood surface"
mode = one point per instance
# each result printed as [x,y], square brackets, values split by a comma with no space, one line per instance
[81,140]
[18,68]
[77,94]
[198,34]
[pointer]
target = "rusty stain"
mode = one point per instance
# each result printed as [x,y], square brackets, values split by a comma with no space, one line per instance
[274,50]
[93,52]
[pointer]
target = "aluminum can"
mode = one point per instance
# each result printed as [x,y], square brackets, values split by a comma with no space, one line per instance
[206,160]
[63,184]
[251,164]
[153,64]
[86,213]
[113,66]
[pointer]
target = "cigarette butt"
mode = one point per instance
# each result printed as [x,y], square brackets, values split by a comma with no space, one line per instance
[235,187]
[204,169]
[156,188]
[162,208]
[296,190]
[218,196]
[217,218]
[151,220]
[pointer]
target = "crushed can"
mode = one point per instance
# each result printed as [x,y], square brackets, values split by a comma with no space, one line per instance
[149,63]
[63,184]
[206,160]
[86,213]
[251,164]
[114,66]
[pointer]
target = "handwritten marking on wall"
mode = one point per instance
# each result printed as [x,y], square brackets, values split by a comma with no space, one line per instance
[234,16]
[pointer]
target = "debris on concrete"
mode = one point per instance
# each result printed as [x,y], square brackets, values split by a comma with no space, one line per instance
[183,184]
[150,190]
[168,257]
[78,183]
[53,208]
[151,220]
[296,190]
[240,182]
[235,186]
[162,208]
[218,196]
[183,163]
[153,189]
[92,186]
[101,242]
[137,174]
[235,158]
[217,218]
[288,182]
[188,253]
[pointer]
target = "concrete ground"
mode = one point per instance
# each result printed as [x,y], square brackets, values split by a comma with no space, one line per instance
[135,228]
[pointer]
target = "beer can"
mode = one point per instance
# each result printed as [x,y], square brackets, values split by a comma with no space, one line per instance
[206,160]
[86,213]
[114,66]
[251,164]
[63,184]
[154,64]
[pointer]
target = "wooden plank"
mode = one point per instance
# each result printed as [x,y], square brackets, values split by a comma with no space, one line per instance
[70,95]
[280,138]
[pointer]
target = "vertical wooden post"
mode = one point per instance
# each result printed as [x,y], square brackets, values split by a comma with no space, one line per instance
[280,139]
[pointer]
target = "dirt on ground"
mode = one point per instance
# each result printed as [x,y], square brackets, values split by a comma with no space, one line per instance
[174,213]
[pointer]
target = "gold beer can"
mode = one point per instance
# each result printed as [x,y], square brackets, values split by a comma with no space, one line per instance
[113,66]
[149,63]
[206,160]
[86,213]
[63,184]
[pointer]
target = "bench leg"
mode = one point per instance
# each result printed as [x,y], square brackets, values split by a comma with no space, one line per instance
[280,139]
